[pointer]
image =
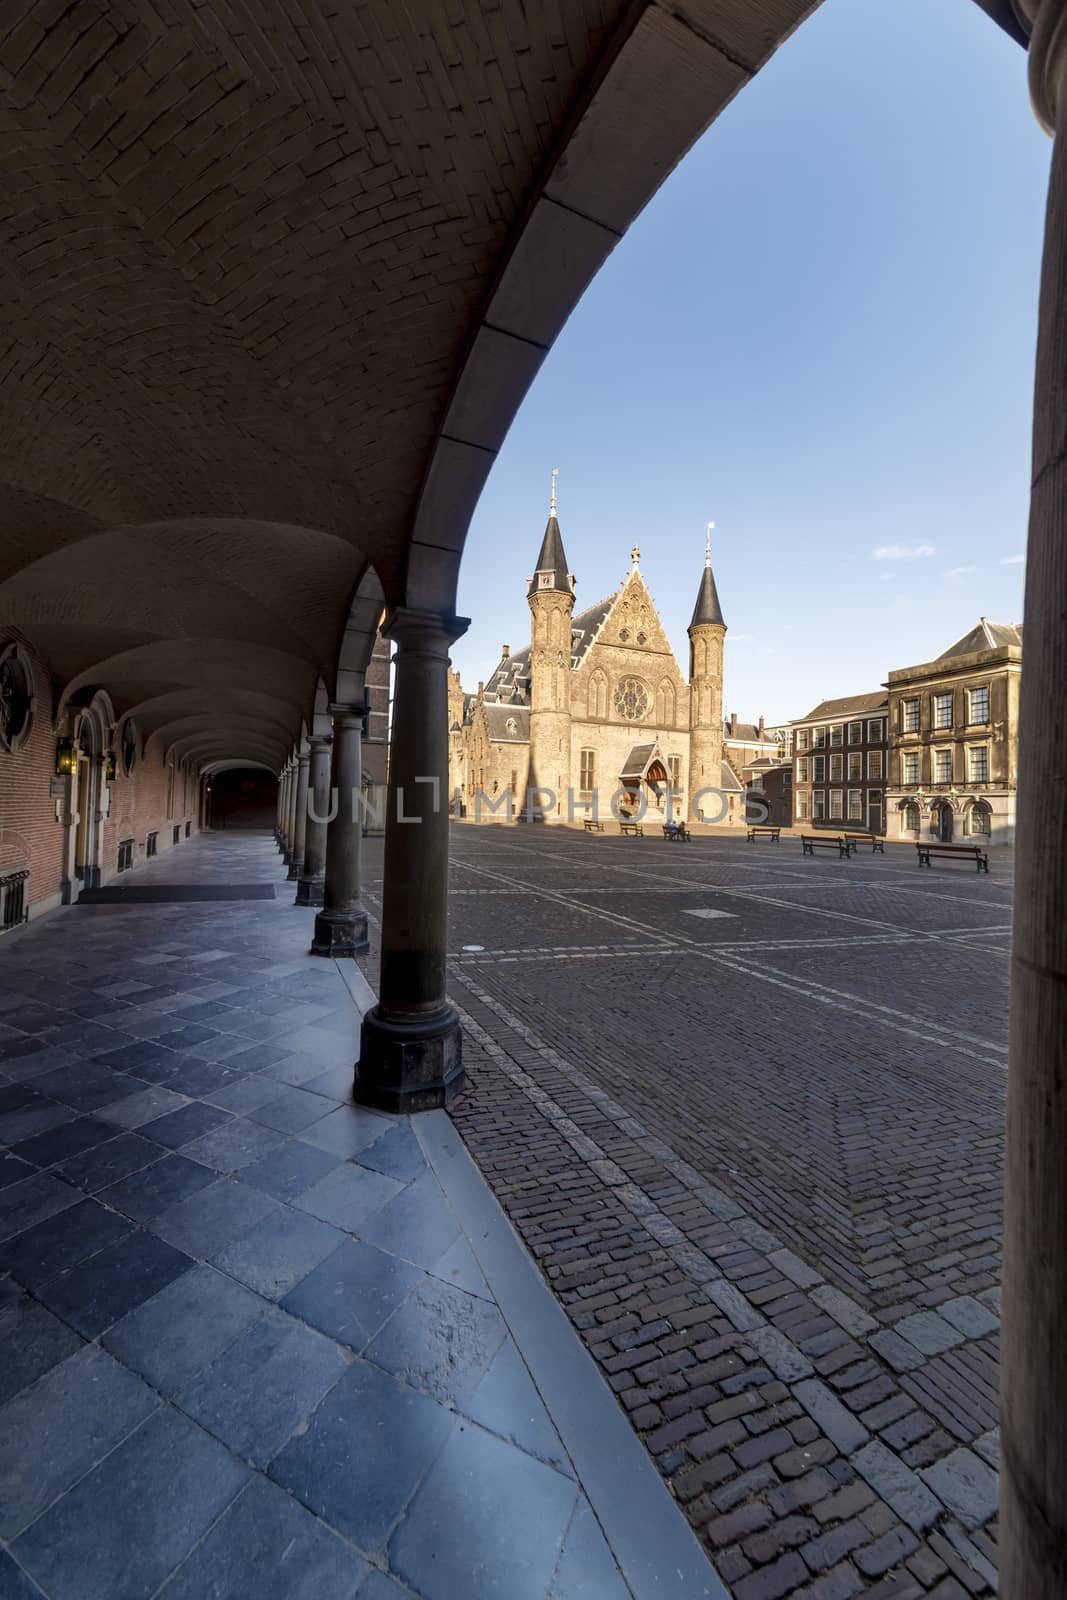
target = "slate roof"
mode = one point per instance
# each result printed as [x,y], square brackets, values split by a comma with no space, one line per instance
[747,733]
[509,683]
[551,559]
[985,636]
[499,716]
[639,760]
[707,608]
[865,704]
[730,780]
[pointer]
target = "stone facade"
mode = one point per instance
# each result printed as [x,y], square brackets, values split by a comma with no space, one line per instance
[597,707]
[954,740]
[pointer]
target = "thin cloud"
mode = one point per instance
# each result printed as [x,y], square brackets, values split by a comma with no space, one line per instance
[886,576]
[1012,561]
[902,552]
[959,572]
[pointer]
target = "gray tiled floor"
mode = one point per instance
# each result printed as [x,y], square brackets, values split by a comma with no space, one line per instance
[247,1347]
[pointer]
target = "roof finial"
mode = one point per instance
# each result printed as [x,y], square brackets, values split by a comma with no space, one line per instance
[635,554]
[552,498]
[707,545]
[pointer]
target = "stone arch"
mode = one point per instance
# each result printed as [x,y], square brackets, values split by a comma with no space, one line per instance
[598,694]
[665,703]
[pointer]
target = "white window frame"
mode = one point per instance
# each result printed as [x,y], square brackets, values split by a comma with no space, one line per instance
[802,805]
[939,757]
[875,765]
[803,738]
[940,726]
[909,763]
[837,805]
[878,735]
[818,769]
[855,766]
[855,805]
[803,769]
[837,734]
[837,767]
[855,733]
[911,708]
[818,805]
[819,739]
[972,720]
[977,750]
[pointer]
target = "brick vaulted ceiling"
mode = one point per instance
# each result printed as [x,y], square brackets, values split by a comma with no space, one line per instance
[274,277]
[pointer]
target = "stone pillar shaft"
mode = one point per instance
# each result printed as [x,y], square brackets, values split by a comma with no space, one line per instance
[300,815]
[410,1057]
[290,820]
[341,925]
[1033,1531]
[309,889]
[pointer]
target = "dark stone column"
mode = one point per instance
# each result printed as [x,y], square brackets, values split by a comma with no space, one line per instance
[1033,1499]
[341,925]
[309,889]
[410,1055]
[290,813]
[298,837]
[283,811]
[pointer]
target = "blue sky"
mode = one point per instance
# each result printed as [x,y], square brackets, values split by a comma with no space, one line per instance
[820,334]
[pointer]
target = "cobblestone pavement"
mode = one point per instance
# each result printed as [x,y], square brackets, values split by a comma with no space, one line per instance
[745,1108]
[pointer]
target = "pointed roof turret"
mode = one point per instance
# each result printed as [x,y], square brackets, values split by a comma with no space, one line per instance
[707,608]
[552,563]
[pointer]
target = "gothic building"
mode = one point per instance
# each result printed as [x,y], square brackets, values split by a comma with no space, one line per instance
[596,704]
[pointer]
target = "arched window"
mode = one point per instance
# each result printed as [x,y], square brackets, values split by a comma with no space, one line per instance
[665,704]
[598,695]
[910,817]
[980,819]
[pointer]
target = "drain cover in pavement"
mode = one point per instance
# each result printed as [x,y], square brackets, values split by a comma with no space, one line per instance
[156,894]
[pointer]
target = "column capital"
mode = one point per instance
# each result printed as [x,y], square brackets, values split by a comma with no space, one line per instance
[1047,22]
[303,758]
[429,632]
[319,741]
[349,710]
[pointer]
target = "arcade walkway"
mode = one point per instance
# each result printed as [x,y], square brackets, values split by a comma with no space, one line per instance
[257,1341]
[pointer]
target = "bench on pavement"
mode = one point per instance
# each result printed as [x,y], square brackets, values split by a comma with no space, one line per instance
[679,831]
[632,827]
[592,826]
[856,839]
[954,852]
[764,833]
[811,842]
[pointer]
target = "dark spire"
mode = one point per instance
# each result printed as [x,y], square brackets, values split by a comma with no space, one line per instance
[551,563]
[707,608]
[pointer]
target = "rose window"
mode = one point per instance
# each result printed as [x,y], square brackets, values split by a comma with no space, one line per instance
[631,700]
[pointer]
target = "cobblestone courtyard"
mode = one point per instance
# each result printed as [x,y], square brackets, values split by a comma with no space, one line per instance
[745,1108]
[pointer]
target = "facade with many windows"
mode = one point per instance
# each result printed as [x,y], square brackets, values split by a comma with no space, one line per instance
[953,740]
[839,765]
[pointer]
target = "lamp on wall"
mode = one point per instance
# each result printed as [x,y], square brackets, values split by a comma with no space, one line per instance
[66,758]
[110,767]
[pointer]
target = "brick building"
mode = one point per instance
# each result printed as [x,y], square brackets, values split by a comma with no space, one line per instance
[839,764]
[953,740]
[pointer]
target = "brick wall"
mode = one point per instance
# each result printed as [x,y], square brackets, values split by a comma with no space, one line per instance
[30,834]
[34,824]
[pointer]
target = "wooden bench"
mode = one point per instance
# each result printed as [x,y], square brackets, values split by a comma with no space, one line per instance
[856,839]
[592,826]
[632,827]
[680,832]
[954,852]
[764,833]
[812,842]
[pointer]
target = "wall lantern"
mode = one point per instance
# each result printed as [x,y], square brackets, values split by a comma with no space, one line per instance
[110,767]
[66,758]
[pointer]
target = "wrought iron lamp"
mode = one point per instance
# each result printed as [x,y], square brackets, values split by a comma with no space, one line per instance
[66,758]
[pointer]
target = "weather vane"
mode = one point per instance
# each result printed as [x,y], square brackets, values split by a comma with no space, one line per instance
[552,499]
[635,554]
[707,544]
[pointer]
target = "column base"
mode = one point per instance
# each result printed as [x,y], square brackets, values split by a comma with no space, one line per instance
[309,892]
[340,933]
[409,1066]
[294,869]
